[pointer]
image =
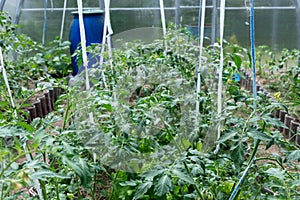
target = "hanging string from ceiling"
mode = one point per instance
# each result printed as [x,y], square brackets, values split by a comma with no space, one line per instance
[106,39]
[110,31]
[253,59]
[203,5]
[45,21]
[83,49]
[2,3]
[220,71]
[2,69]
[199,22]
[63,20]
[163,22]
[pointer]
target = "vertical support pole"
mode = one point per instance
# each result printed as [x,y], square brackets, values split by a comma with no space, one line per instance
[18,11]
[63,20]
[297,4]
[203,6]
[45,21]
[163,22]
[214,21]
[101,4]
[84,52]
[274,25]
[220,81]
[2,3]
[253,58]
[177,13]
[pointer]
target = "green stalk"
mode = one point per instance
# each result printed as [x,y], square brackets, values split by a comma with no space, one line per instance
[187,168]
[237,187]
[113,186]
[42,183]
[43,188]
[195,186]
[280,164]
[14,160]
[234,194]
[57,192]
[94,186]
[66,114]
[2,193]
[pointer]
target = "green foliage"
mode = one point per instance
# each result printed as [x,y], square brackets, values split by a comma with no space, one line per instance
[146,141]
[281,72]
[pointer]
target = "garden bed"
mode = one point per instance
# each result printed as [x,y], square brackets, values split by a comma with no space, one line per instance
[135,136]
[42,103]
[292,123]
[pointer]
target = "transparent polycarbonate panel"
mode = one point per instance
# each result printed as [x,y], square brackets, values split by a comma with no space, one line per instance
[139,3]
[260,3]
[275,20]
[32,24]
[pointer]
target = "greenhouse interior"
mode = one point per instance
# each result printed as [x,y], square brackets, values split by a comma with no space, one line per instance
[150,99]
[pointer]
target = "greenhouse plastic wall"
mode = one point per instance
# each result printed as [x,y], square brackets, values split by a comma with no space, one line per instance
[276,21]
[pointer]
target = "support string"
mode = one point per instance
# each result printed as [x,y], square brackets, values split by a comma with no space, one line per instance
[220,83]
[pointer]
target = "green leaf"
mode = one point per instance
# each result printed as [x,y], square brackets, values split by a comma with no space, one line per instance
[14,166]
[295,155]
[296,183]
[231,108]
[163,186]
[183,176]
[272,121]
[152,173]
[12,131]
[259,135]
[237,59]
[81,169]
[130,183]
[142,189]
[26,126]
[270,143]
[275,172]
[44,174]
[227,136]
[237,153]
[254,119]
[278,157]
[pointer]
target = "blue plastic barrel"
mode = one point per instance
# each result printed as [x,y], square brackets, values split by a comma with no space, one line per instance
[93,23]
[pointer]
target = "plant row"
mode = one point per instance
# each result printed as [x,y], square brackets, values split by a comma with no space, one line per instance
[292,129]
[135,134]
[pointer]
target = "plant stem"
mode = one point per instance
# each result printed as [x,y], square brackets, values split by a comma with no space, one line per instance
[66,114]
[56,189]
[236,189]
[38,183]
[13,160]
[43,187]
[250,162]
[112,185]
[195,185]
[2,193]
[94,186]
[280,164]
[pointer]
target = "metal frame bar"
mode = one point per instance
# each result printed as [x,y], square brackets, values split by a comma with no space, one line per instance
[2,3]
[19,11]
[167,8]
